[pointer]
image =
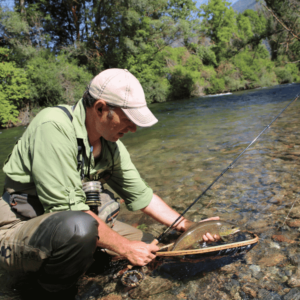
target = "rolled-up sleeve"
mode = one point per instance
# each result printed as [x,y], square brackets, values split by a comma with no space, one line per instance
[127,182]
[53,155]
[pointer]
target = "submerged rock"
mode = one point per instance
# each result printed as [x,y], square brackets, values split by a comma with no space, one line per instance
[294,281]
[150,286]
[293,294]
[295,259]
[266,295]
[295,212]
[255,269]
[294,223]
[250,290]
[272,260]
[282,238]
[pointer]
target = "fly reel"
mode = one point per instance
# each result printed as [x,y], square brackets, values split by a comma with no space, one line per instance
[132,278]
[92,190]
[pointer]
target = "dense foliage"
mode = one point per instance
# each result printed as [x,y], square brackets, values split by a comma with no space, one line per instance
[50,50]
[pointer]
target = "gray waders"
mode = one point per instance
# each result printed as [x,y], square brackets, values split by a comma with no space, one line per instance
[58,246]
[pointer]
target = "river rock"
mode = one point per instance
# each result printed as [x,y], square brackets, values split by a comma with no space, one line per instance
[282,238]
[111,297]
[288,272]
[165,296]
[258,275]
[293,294]
[250,290]
[269,284]
[295,212]
[295,259]
[110,287]
[222,296]
[266,295]
[294,223]
[196,208]
[272,260]
[255,269]
[237,296]
[232,286]
[150,286]
[274,245]
[294,281]
[258,226]
[230,268]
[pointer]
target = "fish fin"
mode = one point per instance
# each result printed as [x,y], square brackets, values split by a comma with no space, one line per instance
[225,239]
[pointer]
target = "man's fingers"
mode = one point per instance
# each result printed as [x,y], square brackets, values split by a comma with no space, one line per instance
[211,219]
[153,248]
[209,238]
[216,237]
[152,256]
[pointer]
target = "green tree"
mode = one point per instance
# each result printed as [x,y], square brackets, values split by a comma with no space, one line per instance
[283,17]
[106,32]
[252,30]
[219,25]
[51,78]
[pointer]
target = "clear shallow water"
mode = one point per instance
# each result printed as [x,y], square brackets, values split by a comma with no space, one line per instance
[193,142]
[196,139]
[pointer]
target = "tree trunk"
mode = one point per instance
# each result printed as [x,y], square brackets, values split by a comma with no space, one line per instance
[21,2]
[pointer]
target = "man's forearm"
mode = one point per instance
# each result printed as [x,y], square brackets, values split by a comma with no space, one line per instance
[108,238]
[137,252]
[163,213]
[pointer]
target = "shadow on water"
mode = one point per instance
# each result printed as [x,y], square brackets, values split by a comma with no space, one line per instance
[171,268]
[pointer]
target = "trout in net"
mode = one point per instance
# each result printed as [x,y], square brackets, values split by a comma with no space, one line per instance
[193,236]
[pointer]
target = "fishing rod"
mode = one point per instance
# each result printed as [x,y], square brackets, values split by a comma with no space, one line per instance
[225,170]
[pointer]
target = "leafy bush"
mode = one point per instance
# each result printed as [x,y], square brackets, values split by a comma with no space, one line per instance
[294,70]
[287,74]
[256,68]
[233,82]
[182,82]
[284,75]
[8,111]
[267,79]
[14,91]
[56,80]
[155,91]
[217,85]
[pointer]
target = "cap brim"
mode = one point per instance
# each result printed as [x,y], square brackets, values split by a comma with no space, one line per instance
[141,116]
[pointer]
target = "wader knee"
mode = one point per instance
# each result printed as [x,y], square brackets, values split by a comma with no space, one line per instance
[70,238]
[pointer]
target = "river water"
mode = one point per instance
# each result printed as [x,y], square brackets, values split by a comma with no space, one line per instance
[194,141]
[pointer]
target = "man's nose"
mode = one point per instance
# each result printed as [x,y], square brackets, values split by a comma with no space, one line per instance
[132,127]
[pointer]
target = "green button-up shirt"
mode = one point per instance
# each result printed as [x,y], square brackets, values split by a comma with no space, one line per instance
[46,158]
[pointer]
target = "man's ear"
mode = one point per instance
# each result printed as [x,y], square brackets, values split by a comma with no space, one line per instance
[99,105]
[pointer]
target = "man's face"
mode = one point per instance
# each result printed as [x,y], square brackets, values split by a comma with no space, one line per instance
[116,125]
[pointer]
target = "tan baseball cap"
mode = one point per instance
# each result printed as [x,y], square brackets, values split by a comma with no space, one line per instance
[118,87]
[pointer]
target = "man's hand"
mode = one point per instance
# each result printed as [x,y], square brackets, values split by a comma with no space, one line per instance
[140,253]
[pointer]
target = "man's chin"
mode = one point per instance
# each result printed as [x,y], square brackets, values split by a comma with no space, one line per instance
[115,139]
